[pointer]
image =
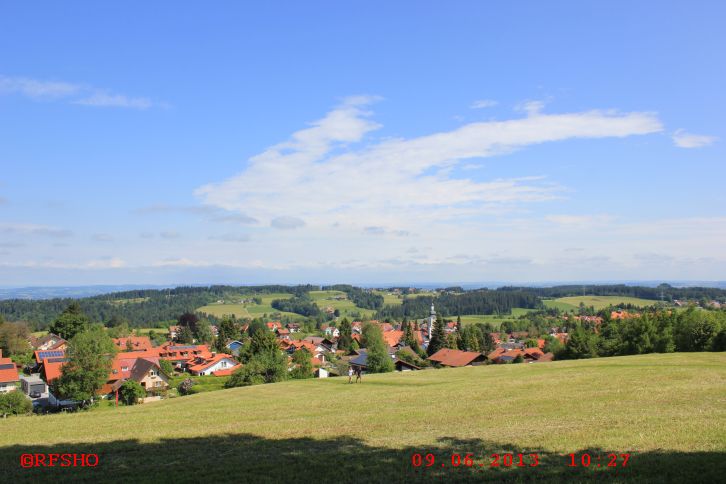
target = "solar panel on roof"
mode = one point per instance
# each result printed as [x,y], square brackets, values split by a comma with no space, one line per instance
[7,366]
[182,347]
[56,360]
[51,354]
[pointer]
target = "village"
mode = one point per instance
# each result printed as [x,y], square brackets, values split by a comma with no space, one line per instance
[154,366]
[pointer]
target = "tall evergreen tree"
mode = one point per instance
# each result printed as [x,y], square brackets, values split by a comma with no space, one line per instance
[70,322]
[346,335]
[378,359]
[438,338]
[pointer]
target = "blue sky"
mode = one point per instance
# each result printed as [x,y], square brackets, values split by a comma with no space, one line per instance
[361,142]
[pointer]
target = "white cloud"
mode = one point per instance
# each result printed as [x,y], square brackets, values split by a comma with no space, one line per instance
[483,103]
[327,174]
[682,139]
[106,263]
[81,94]
[287,223]
[34,229]
[230,237]
[37,89]
[579,220]
[104,100]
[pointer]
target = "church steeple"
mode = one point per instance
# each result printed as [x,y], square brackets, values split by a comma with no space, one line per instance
[432,320]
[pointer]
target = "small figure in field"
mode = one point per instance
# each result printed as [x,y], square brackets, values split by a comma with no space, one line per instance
[350,375]
[358,374]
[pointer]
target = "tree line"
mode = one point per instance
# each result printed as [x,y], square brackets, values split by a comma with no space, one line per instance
[666,291]
[481,301]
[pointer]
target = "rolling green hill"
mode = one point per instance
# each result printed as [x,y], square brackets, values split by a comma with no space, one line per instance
[667,411]
[598,302]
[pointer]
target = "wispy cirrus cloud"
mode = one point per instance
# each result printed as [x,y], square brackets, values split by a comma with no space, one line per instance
[682,139]
[34,230]
[213,214]
[483,103]
[330,173]
[106,100]
[74,93]
[37,89]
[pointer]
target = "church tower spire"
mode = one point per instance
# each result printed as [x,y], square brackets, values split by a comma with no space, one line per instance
[432,320]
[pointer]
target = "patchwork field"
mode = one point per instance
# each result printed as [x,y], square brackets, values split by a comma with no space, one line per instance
[599,302]
[667,411]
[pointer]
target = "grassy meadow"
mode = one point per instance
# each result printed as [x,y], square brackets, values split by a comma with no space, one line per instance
[250,310]
[494,319]
[598,302]
[346,307]
[667,411]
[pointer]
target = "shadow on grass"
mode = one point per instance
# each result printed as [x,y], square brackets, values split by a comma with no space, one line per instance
[249,458]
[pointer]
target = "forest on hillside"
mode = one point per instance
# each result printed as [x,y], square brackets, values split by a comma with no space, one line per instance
[470,302]
[140,308]
[666,292]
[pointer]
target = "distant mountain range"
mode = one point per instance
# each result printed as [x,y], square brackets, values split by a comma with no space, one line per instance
[51,292]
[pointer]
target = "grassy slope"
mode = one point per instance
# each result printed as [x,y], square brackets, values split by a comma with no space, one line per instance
[599,302]
[324,299]
[668,411]
[248,310]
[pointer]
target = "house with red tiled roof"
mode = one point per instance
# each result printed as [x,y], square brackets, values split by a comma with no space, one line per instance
[393,337]
[529,355]
[385,326]
[9,377]
[133,343]
[50,368]
[273,325]
[623,315]
[181,355]
[457,358]
[145,371]
[210,366]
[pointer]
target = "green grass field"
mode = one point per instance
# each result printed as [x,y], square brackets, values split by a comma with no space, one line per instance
[390,299]
[667,411]
[322,298]
[494,319]
[599,302]
[346,307]
[248,310]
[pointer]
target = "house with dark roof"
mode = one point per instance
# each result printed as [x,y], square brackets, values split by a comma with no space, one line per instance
[361,362]
[457,358]
[146,372]
[48,342]
[234,347]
